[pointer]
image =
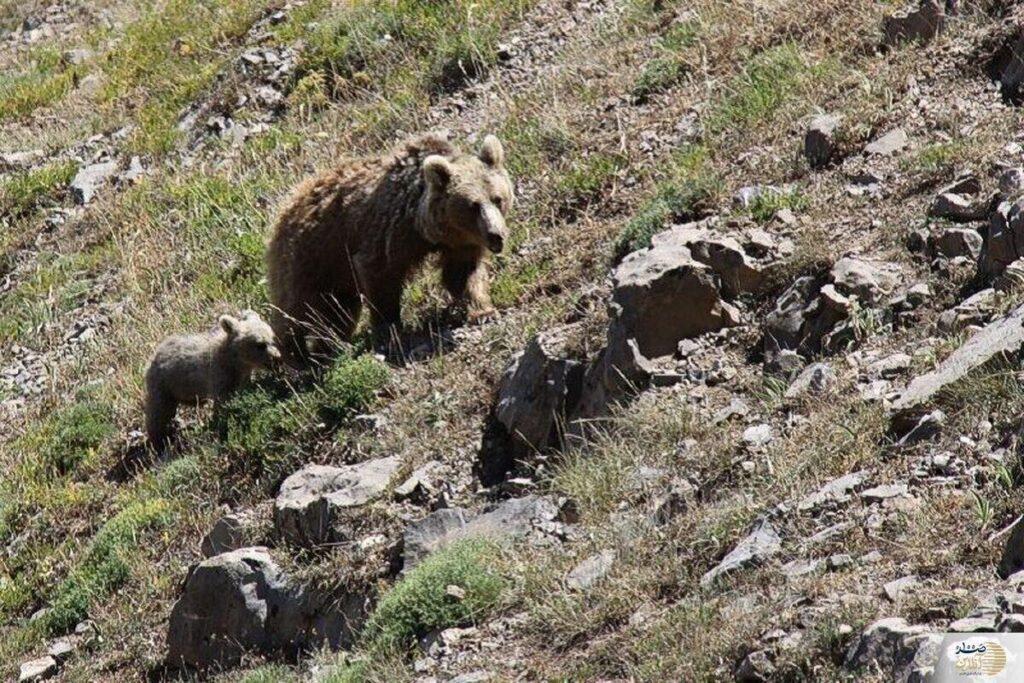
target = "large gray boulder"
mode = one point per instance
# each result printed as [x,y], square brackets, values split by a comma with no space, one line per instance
[313,500]
[241,601]
[663,295]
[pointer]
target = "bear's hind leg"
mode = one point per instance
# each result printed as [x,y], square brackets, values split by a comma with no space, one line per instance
[160,411]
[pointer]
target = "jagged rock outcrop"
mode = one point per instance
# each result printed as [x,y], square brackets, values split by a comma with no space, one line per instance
[540,387]
[1005,243]
[241,601]
[663,294]
[312,502]
[897,648]
[814,314]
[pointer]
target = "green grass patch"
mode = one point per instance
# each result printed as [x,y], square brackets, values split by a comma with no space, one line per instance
[221,221]
[25,191]
[669,65]
[59,284]
[73,435]
[269,422]
[690,192]
[166,57]
[765,205]
[534,144]
[936,159]
[388,46]
[587,177]
[419,603]
[106,564]
[46,80]
[769,80]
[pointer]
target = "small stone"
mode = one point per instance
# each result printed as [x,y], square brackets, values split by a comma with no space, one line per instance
[37,670]
[87,181]
[975,624]
[815,380]
[758,436]
[737,408]
[819,141]
[892,142]
[959,209]
[455,592]
[591,570]
[890,366]
[1011,182]
[794,569]
[897,587]
[756,667]
[879,494]
[61,649]
[836,491]
[839,561]
[762,543]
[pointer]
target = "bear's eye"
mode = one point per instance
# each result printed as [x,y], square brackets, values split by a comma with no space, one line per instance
[499,202]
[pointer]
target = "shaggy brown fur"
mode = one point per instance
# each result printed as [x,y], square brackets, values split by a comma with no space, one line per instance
[361,230]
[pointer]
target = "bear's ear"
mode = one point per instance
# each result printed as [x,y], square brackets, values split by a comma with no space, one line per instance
[229,324]
[437,171]
[492,153]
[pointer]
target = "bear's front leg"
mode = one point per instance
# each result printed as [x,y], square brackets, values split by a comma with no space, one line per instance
[385,303]
[464,275]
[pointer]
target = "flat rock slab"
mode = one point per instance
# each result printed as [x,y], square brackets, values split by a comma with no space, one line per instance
[836,491]
[761,544]
[511,519]
[1001,337]
[37,670]
[311,499]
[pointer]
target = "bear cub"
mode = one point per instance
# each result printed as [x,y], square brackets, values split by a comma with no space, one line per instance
[358,232]
[191,368]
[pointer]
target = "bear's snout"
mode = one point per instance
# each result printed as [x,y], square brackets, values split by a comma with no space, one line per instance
[495,242]
[494,230]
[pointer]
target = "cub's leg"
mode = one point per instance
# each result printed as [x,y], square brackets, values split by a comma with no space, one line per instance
[160,410]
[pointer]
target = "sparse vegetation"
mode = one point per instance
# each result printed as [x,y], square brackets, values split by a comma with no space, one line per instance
[420,602]
[687,194]
[620,119]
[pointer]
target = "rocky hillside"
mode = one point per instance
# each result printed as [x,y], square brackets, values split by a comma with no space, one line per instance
[750,408]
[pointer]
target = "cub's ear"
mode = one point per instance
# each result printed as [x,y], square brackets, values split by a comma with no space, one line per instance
[492,153]
[229,324]
[437,171]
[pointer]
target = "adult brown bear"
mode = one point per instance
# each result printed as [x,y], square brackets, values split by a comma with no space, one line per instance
[359,231]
